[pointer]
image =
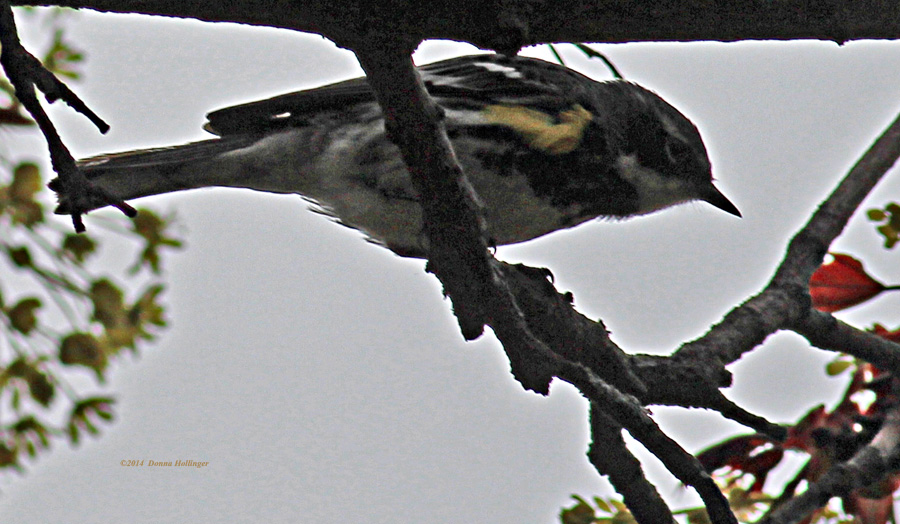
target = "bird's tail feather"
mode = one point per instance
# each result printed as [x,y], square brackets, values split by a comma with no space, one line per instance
[146,172]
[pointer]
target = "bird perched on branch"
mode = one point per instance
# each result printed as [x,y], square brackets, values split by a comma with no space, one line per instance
[544,147]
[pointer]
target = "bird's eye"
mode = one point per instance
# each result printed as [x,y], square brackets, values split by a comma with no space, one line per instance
[677,151]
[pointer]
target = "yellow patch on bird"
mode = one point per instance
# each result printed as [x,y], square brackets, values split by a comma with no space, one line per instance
[554,135]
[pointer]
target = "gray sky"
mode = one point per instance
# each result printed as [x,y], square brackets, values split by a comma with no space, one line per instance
[324,379]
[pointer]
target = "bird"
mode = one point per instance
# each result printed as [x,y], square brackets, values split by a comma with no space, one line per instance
[544,147]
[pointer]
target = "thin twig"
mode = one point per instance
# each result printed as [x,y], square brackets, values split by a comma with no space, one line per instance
[26,73]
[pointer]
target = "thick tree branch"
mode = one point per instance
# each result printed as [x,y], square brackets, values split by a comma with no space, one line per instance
[500,24]
[457,252]
[690,383]
[568,333]
[653,379]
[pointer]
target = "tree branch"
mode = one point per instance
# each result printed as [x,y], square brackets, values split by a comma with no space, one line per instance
[611,457]
[475,281]
[26,73]
[785,302]
[494,24]
[824,331]
[542,335]
[632,416]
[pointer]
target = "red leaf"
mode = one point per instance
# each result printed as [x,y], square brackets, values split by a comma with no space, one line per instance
[881,331]
[732,452]
[841,284]
[799,435]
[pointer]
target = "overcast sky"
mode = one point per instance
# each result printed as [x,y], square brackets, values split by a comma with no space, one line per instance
[324,379]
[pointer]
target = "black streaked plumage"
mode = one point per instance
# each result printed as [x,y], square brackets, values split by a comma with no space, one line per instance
[545,148]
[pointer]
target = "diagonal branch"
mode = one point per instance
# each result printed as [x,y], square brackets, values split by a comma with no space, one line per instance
[611,457]
[458,253]
[627,413]
[26,73]
[476,283]
[785,302]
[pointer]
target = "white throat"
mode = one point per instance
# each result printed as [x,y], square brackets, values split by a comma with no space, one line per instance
[655,191]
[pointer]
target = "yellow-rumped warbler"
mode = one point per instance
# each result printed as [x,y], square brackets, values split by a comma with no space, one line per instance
[544,147]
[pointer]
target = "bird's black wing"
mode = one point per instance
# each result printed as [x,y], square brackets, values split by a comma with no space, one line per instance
[285,110]
[465,80]
[501,79]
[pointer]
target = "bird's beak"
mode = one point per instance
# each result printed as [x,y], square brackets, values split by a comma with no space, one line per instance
[716,198]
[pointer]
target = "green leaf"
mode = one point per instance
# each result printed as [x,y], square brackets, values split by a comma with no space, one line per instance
[32,434]
[890,228]
[147,310]
[23,208]
[60,58]
[79,246]
[602,505]
[82,411]
[108,303]
[83,349]
[18,368]
[20,256]
[152,228]
[74,434]
[836,367]
[876,215]
[22,316]
[26,182]
[89,426]
[8,457]
[698,516]
[580,513]
[889,234]
[40,387]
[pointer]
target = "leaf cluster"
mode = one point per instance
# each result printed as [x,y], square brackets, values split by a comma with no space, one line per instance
[59,314]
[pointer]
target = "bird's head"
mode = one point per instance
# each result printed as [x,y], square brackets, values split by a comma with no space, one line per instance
[659,151]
